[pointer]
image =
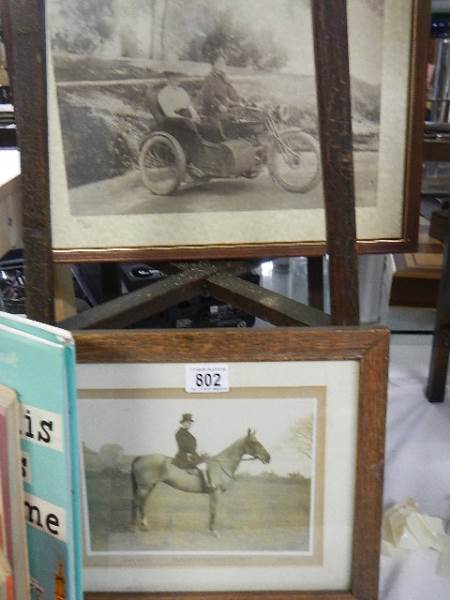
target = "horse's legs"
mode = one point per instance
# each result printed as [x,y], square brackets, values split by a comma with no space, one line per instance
[138,507]
[135,507]
[213,502]
[134,511]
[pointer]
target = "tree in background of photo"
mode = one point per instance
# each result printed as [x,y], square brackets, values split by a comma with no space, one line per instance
[301,436]
[164,29]
[83,26]
[242,45]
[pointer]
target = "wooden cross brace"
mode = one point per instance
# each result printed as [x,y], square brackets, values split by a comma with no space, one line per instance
[187,280]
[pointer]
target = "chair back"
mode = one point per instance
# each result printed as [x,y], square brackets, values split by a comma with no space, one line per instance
[155,108]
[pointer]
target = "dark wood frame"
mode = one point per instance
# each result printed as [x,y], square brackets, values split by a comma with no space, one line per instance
[367,346]
[25,24]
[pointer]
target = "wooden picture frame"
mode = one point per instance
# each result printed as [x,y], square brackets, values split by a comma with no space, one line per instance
[363,350]
[33,116]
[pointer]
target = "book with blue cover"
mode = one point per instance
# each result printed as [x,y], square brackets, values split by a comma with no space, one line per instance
[38,361]
[12,523]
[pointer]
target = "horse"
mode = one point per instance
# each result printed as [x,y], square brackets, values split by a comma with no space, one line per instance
[148,471]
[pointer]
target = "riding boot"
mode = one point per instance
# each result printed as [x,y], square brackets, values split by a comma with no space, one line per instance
[212,485]
[209,486]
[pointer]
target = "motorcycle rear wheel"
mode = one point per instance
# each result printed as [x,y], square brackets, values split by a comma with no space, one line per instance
[163,164]
[294,161]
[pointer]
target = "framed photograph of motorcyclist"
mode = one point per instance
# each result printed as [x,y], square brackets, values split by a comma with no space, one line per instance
[274,484]
[189,128]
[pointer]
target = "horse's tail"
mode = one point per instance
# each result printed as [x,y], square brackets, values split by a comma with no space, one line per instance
[134,483]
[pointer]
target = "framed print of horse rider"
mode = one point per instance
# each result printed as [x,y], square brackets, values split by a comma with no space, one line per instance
[244,490]
[189,128]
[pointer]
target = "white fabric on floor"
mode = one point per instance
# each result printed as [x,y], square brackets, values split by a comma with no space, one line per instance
[417,465]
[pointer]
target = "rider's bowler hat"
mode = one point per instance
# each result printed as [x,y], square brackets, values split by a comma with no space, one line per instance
[187,417]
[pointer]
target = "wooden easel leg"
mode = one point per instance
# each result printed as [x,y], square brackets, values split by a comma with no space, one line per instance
[264,304]
[29,50]
[142,303]
[335,125]
[437,375]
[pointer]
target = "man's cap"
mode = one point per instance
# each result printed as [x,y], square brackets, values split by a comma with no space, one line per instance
[187,417]
[212,51]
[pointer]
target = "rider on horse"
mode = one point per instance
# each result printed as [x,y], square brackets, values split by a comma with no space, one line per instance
[187,456]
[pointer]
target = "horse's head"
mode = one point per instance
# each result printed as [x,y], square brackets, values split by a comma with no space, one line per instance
[254,448]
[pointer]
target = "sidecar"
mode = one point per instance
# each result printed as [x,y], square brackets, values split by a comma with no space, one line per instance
[180,150]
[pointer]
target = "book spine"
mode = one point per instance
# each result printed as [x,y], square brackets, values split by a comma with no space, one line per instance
[10,587]
[70,361]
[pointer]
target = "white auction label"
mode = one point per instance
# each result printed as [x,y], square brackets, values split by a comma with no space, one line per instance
[206,378]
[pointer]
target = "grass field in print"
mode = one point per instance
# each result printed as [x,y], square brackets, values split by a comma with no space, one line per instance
[255,514]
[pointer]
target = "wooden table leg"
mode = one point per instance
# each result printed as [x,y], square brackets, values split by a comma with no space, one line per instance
[437,376]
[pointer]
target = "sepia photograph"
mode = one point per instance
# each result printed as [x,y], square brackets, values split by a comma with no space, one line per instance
[253,488]
[181,476]
[210,102]
[180,122]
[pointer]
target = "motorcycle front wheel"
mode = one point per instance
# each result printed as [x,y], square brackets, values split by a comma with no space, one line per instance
[294,161]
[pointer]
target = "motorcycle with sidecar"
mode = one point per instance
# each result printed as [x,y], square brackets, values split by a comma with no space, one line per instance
[251,139]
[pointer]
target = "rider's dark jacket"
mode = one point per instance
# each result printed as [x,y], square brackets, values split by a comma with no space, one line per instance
[216,90]
[187,456]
